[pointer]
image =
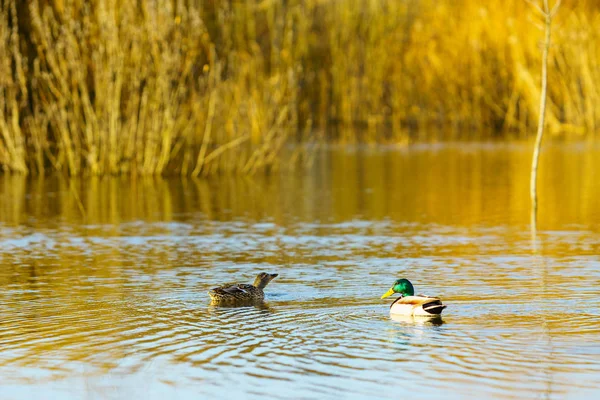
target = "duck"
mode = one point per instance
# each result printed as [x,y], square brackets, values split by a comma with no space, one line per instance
[242,293]
[410,305]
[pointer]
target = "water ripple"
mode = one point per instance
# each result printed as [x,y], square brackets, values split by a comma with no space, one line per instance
[515,323]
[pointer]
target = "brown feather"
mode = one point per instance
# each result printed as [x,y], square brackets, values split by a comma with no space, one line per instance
[241,293]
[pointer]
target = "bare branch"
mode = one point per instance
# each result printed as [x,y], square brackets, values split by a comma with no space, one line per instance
[536,6]
[555,8]
[223,148]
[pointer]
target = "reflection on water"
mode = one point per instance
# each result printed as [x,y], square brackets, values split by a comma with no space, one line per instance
[419,320]
[104,281]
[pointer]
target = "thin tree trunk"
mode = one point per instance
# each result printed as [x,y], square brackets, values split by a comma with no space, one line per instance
[548,14]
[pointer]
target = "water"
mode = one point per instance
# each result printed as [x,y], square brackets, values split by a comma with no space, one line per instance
[104,281]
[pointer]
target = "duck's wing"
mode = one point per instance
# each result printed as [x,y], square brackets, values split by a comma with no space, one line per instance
[418,300]
[430,305]
[235,288]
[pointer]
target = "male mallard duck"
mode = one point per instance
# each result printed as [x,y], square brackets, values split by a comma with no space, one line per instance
[242,292]
[409,304]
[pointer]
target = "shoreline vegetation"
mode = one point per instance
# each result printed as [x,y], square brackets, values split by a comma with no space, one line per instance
[195,87]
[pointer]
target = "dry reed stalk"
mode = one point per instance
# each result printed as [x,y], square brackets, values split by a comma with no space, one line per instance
[133,86]
[13,90]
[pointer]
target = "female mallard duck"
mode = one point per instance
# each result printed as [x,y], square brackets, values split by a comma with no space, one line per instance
[242,292]
[411,305]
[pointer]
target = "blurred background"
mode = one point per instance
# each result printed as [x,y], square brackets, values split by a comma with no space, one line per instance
[194,87]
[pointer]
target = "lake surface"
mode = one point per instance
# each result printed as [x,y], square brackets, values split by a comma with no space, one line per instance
[104,280]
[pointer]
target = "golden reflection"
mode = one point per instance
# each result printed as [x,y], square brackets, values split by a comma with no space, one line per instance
[464,185]
[122,286]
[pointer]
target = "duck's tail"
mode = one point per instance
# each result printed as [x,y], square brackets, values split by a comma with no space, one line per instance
[434,308]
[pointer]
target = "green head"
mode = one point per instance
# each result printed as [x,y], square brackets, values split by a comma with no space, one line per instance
[402,286]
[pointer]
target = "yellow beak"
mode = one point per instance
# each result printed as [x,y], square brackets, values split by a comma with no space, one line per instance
[388,293]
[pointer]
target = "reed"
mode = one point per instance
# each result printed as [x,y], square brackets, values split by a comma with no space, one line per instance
[13,90]
[201,87]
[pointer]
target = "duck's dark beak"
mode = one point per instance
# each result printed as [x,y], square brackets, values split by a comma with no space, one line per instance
[273,276]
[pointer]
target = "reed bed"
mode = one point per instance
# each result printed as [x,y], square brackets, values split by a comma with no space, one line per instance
[222,86]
